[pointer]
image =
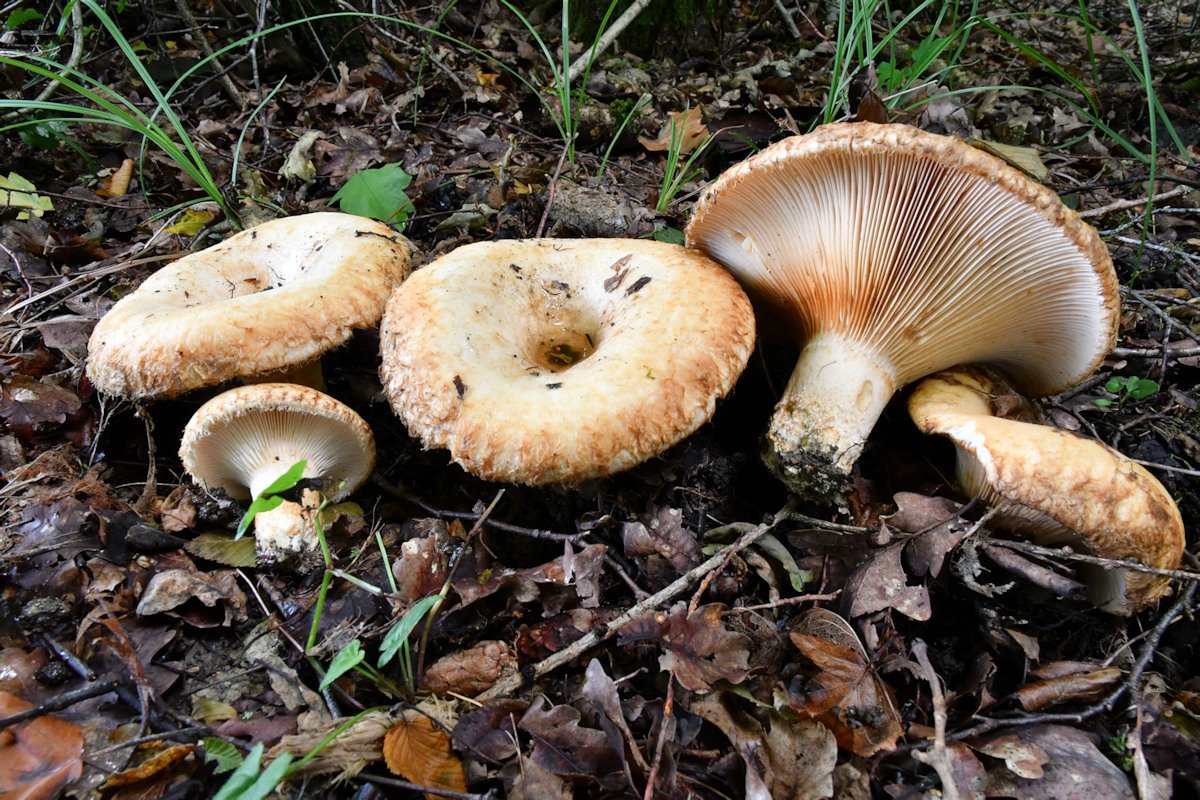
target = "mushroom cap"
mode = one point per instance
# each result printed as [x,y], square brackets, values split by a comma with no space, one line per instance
[265,299]
[245,438]
[917,246]
[1055,486]
[555,361]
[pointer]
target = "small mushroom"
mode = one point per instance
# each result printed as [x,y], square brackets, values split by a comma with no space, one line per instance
[1056,487]
[555,361]
[267,300]
[888,253]
[244,439]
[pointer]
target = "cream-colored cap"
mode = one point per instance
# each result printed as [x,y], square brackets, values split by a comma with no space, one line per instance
[266,299]
[556,361]
[1056,487]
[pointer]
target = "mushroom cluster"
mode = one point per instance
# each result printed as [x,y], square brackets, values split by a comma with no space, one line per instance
[262,305]
[888,253]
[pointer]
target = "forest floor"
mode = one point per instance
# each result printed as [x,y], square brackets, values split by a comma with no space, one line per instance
[589,644]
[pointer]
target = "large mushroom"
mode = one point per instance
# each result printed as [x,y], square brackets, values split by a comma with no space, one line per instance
[556,361]
[888,253]
[1056,487]
[244,439]
[268,300]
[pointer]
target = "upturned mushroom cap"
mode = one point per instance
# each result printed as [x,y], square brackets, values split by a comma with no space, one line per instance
[556,361]
[244,439]
[266,299]
[1056,487]
[889,253]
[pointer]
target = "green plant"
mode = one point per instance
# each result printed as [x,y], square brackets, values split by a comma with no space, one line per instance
[626,110]
[676,175]
[270,498]
[857,48]
[105,106]
[396,642]
[566,114]
[1126,389]
[378,193]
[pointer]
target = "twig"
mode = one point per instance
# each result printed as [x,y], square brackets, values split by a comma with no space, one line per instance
[1195,473]
[1121,205]
[152,737]
[667,722]
[616,29]
[60,702]
[1177,609]
[939,758]
[439,791]
[793,29]
[1034,573]
[190,19]
[510,683]
[67,657]
[1110,563]
[1146,352]
[73,59]
[829,526]
[788,601]
[551,190]
[471,516]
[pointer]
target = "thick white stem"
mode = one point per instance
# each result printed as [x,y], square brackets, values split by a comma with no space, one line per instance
[836,393]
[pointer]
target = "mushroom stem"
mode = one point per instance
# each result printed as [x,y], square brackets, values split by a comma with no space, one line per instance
[836,393]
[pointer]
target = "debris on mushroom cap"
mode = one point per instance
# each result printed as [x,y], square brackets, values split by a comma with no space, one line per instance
[556,361]
[889,253]
[244,439]
[263,300]
[1056,487]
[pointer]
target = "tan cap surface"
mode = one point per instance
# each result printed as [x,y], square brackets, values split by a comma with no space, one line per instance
[1056,487]
[268,298]
[543,361]
[889,253]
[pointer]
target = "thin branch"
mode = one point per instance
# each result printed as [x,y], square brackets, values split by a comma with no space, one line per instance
[511,683]
[616,29]
[76,53]
[939,758]
[1122,205]
[58,703]
[1109,563]
[190,19]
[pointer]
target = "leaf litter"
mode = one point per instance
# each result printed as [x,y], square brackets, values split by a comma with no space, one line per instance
[780,674]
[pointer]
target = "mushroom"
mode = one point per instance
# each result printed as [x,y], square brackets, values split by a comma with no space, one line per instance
[270,299]
[888,253]
[556,361]
[1056,487]
[244,439]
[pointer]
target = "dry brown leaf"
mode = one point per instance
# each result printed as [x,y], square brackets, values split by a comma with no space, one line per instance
[686,126]
[117,183]
[1081,687]
[880,583]
[150,767]
[1074,769]
[39,757]
[418,751]
[699,650]
[847,695]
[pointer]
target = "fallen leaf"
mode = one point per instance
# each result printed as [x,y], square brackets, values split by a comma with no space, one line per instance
[487,732]
[1025,159]
[149,768]
[192,221]
[563,746]
[171,592]
[419,751]
[1075,769]
[937,526]
[846,694]
[38,757]
[1079,687]
[684,127]
[787,761]
[699,649]
[1022,758]
[223,549]
[37,411]
[880,583]
[18,192]
[117,182]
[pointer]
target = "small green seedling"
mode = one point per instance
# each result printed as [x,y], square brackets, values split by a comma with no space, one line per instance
[269,498]
[250,781]
[1126,389]
[396,641]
